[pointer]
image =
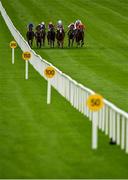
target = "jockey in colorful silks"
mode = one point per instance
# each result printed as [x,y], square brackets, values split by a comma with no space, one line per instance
[42,25]
[50,26]
[30,26]
[60,25]
[71,26]
[79,25]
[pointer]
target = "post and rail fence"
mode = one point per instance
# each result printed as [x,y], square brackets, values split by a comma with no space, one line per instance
[111,120]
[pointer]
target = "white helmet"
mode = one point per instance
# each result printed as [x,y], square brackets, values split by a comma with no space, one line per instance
[60,22]
[42,23]
[78,21]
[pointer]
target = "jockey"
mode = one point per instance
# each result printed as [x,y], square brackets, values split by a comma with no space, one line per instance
[59,25]
[42,25]
[38,27]
[81,26]
[30,26]
[50,26]
[71,26]
[77,23]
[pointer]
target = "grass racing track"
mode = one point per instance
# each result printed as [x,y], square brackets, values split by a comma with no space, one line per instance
[40,141]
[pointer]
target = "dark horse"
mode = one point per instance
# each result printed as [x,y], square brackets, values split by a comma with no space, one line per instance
[30,36]
[79,36]
[40,33]
[71,37]
[60,34]
[51,37]
[43,36]
[38,37]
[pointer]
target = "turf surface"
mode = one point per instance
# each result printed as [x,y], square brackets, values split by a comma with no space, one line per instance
[39,141]
[101,65]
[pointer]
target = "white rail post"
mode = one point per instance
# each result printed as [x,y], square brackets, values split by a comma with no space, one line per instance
[26,70]
[95,103]
[106,120]
[13,56]
[126,135]
[49,91]
[95,130]
[118,129]
[123,134]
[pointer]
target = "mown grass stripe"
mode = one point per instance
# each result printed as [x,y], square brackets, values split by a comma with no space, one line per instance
[34,145]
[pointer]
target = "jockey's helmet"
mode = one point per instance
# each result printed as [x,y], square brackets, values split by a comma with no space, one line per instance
[60,22]
[50,22]
[78,21]
[42,23]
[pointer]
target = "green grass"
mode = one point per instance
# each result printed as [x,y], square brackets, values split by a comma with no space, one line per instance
[54,141]
[102,64]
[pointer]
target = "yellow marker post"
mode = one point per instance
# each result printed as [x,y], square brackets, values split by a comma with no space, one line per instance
[13,45]
[95,103]
[26,56]
[49,73]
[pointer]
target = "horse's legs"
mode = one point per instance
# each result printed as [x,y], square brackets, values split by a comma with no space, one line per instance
[31,42]
[43,40]
[69,42]
[40,43]
[50,43]
[58,44]
[36,43]
[48,39]
[72,42]
[77,44]
[82,43]
[62,43]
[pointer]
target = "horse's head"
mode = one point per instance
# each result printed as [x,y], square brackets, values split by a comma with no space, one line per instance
[60,30]
[30,29]
[60,34]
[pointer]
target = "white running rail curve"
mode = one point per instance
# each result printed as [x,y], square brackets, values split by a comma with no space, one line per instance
[111,120]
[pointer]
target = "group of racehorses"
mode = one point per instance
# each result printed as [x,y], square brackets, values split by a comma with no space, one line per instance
[74,35]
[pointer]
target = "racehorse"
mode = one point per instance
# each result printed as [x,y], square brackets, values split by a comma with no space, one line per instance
[71,37]
[43,33]
[43,36]
[30,36]
[51,37]
[38,37]
[60,34]
[79,36]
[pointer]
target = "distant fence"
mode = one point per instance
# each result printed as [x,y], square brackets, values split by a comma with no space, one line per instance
[111,120]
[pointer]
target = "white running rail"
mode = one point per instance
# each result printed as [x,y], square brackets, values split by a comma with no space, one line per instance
[111,120]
